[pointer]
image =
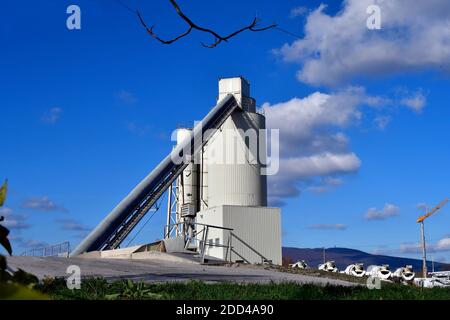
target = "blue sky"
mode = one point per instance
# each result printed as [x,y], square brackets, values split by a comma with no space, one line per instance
[85,114]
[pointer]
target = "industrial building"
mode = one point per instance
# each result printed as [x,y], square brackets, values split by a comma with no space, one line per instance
[216,189]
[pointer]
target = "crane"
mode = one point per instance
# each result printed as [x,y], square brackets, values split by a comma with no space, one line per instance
[421,220]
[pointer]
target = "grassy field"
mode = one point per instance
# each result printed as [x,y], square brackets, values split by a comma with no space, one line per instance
[101,289]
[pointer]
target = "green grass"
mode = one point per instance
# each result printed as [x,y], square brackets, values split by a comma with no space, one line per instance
[98,288]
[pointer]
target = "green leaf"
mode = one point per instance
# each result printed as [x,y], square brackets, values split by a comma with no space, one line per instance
[11,291]
[3,191]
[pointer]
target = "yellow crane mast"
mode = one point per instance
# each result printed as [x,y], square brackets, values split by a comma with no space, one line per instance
[421,220]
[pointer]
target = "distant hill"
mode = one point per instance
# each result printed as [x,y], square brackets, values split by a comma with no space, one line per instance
[343,257]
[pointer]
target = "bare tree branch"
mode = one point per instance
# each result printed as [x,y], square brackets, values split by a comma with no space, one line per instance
[150,32]
[218,38]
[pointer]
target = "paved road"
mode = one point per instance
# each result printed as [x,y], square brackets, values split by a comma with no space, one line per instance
[159,271]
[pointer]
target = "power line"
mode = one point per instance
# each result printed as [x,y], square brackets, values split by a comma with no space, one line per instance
[124,5]
[139,231]
[289,33]
[143,226]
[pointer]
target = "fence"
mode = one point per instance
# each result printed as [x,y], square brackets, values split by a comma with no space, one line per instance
[203,242]
[49,251]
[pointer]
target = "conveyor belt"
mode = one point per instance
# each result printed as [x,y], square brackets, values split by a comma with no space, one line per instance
[118,224]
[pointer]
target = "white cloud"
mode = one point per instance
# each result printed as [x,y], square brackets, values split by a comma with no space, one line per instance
[337,226]
[5,212]
[126,97]
[299,118]
[312,144]
[410,248]
[339,48]
[330,181]
[32,244]
[325,184]
[415,102]
[422,206]
[12,220]
[388,211]
[383,251]
[442,245]
[139,130]
[320,165]
[52,116]
[42,204]
[297,11]
[382,121]
[68,224]
[335,51]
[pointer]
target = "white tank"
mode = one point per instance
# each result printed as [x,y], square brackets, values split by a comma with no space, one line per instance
[383,272]
[299,265]
[328,266]
[236,154]
[187,183]
[356,270]
[404,274]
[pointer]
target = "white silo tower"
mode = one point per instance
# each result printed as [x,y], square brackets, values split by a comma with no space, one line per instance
[233,192]
[187,182]
[234,163]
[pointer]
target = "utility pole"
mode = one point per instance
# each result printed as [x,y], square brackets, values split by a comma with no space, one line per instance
[421,220]
[324,260]
[424,250]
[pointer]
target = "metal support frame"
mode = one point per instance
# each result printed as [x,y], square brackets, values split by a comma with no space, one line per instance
[118,224]
[142,210]
[172,219]
[205,239]
[203,243]
[169,209]
[424,250]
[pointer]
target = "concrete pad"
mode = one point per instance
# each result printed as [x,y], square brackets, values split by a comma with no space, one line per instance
[162,256]
[158,270]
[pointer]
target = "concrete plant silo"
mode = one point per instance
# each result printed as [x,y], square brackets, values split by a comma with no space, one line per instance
[237,153]
[233,189]
[187,182]
[222,189]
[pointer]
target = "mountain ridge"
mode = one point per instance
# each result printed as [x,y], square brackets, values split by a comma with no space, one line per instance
[345,256]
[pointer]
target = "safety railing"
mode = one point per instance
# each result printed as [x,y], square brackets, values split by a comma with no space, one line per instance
[49,251]
[204,243]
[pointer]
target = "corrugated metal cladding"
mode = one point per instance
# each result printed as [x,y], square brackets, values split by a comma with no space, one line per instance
[260,227]
[187,183]
[203,180]
[231,162]
[236,155]
[232,192]
[240,88]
